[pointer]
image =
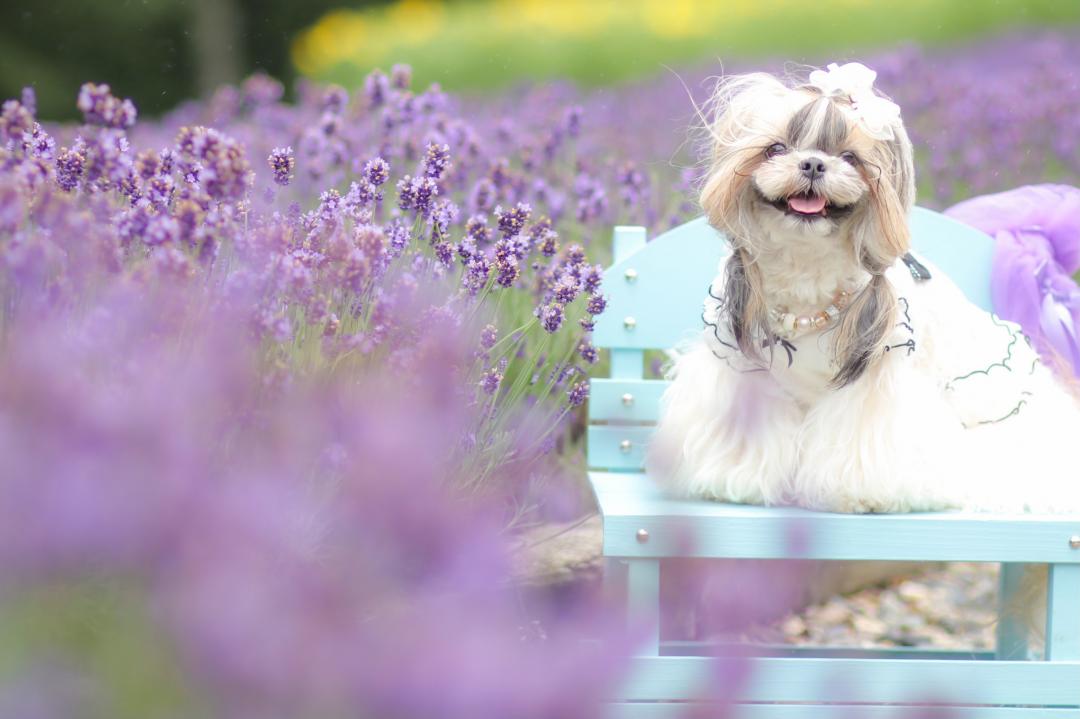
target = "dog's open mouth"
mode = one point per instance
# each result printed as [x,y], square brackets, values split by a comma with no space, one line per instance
[808,205]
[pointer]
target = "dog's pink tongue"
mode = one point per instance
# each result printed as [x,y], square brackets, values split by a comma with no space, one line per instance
[807,205]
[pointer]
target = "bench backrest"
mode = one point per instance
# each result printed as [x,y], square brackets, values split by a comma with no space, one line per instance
[655,291]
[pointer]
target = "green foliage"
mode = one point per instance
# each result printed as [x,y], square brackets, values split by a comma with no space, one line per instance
[478,45]
[106,622]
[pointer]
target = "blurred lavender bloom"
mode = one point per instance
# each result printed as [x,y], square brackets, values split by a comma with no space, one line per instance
[1037,248]
[282,162]
[377,171]
[436,161]
[100,107]
[261,89]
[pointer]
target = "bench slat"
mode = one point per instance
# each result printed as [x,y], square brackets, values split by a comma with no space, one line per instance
[901,681]
[697,528]
[608,400]
[607,451]
[681,710]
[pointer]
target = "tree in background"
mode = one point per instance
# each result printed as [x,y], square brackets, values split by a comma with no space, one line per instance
[158,52]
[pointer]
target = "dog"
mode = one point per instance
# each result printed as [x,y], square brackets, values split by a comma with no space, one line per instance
[837,370]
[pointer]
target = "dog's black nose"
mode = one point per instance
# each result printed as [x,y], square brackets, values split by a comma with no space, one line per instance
[812,167]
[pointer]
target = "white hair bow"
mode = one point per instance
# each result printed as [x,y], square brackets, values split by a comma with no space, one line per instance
[855,81]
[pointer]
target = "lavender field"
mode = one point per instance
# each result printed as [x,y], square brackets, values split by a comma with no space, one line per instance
[281,383]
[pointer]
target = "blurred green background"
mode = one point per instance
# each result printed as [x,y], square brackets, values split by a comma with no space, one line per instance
[161,52]
[158,52]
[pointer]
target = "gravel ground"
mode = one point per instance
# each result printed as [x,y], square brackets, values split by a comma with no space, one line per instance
[951,608]
[954,607]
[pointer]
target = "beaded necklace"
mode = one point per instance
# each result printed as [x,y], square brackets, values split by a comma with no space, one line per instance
[791,325]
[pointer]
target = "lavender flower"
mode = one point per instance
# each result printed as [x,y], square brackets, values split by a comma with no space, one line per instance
[444,253]
[507,271]
[512,221]
[376,89]
[70,165]
[591,278]
[436,161]
[260,89]
[100,107]
[477,271]
[401,76]
[483,196]
[549,244]
[398,238]
[490,381]
[444,214]
[222,170]
[551,316]
[334,100]
[566,288]
[578,393]
[161,230]
[282,162]
[28,99]
[417,194]
[377,171]
[588,352]
[15,121]
[476,228]
[572,121]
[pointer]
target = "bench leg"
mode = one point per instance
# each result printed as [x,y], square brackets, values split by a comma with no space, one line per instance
[1063,612]
[643,601]
[615,571]
[1012,633]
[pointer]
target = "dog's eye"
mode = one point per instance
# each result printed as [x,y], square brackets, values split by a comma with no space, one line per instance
[777,148]
[849,157]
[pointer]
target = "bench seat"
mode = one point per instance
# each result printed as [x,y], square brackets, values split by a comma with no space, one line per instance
[631,502]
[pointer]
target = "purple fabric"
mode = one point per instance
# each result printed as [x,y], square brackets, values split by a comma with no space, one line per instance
[1037,249]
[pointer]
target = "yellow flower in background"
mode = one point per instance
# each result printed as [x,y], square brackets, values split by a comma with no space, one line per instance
[553,18]
[337,36]
[673,18]
[485,43]
[416,21]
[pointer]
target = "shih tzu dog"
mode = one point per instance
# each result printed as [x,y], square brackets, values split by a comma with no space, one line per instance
[836,370]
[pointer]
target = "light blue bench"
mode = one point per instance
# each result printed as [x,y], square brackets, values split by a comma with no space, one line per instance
[655,296]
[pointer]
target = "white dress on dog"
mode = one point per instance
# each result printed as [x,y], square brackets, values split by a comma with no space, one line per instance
[959,413]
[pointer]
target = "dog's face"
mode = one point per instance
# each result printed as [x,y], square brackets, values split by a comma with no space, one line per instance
[811,176]
[791,161]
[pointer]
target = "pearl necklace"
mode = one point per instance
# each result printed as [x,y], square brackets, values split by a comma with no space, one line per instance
[792,325]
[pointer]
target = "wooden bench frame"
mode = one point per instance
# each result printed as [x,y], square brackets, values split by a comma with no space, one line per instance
[655,292]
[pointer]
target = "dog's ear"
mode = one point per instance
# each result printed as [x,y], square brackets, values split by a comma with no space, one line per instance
[879,237]
[739,118]
[742,116]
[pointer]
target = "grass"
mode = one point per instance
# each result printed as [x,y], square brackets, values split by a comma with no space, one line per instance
[482,45]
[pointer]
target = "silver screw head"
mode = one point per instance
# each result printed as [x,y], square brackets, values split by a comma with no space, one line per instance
[1074,541]
[629,323]
[630,274]
[628,400]
[625,446]
[642,536]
